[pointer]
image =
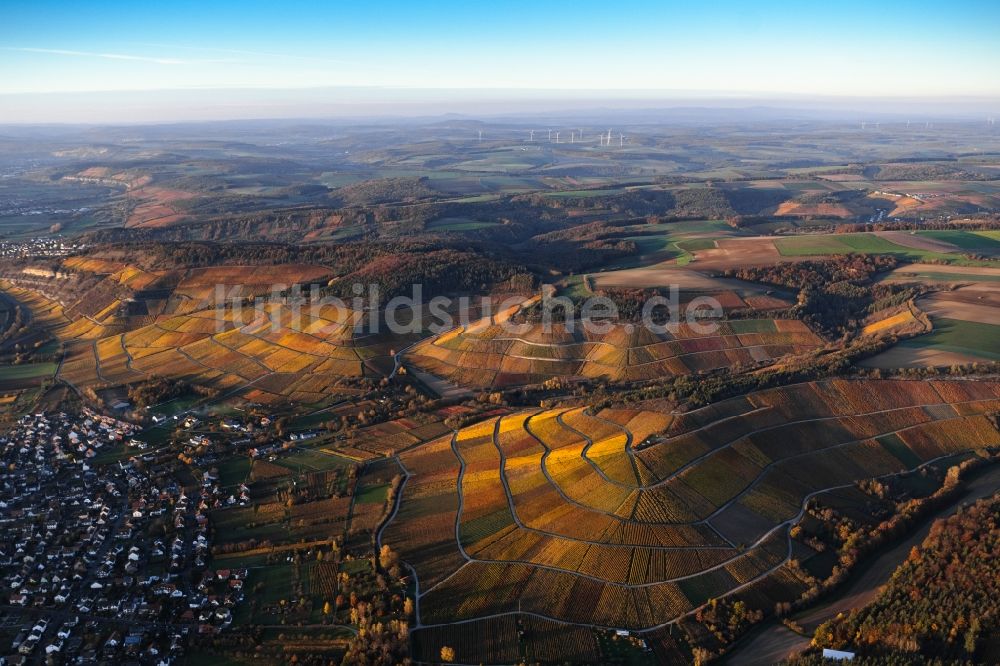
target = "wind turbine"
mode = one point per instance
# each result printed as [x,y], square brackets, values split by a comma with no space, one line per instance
[572,137]
[531,135]
[609,136]
[550,136]
[557,137]
[480,136]
[621,140]
[863,125]
[581,134]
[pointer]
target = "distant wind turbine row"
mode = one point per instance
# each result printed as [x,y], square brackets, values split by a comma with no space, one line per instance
[605,139]
[927,124]
[990,122]
[575,136]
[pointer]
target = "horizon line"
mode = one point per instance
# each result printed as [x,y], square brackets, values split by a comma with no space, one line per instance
[608,94]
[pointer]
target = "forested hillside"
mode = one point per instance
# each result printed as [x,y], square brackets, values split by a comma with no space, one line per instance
[943,602]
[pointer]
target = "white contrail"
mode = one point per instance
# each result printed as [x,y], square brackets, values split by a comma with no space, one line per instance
[109,56]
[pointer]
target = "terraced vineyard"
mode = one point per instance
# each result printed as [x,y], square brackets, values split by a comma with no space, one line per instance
[131,325]
[264,348]
[486,354]
[633,519]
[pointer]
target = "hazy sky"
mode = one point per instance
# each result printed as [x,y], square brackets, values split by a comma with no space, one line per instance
[847,48]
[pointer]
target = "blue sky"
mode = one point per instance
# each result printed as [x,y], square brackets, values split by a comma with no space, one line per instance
[843,48]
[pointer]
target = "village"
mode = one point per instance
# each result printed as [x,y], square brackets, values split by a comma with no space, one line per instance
[44,246]
[103,558]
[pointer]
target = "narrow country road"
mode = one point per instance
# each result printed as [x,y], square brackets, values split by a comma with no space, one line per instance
[775,641]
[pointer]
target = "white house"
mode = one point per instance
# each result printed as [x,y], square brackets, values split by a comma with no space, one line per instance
[837,655]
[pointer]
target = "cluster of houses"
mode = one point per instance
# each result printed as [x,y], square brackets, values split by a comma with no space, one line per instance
[104,561]
[39,247]
[65,439]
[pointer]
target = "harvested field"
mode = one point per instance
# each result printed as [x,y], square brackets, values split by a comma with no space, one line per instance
[917,242]
[667,275]
[738,252]
[798,209]
[905,356]
[964,304]
[970,278]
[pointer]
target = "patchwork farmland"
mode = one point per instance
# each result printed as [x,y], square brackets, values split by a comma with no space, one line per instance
[632,518]
[292,487]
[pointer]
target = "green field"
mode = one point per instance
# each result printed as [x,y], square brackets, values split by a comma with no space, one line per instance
[111,453]
[372,494]
[510,184]
[654,244]
[276,583]
[836,244]
[894,445]
[687,247]
[502,160]
[865,243]
[335,179]
[459,224]
[967,240]
[688,228]
[962,337]
[308,460]
[696,244]
[234,471]
[932,276]
[575,287]
[26,373]
[673,241]
[177,406]
[476,198]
